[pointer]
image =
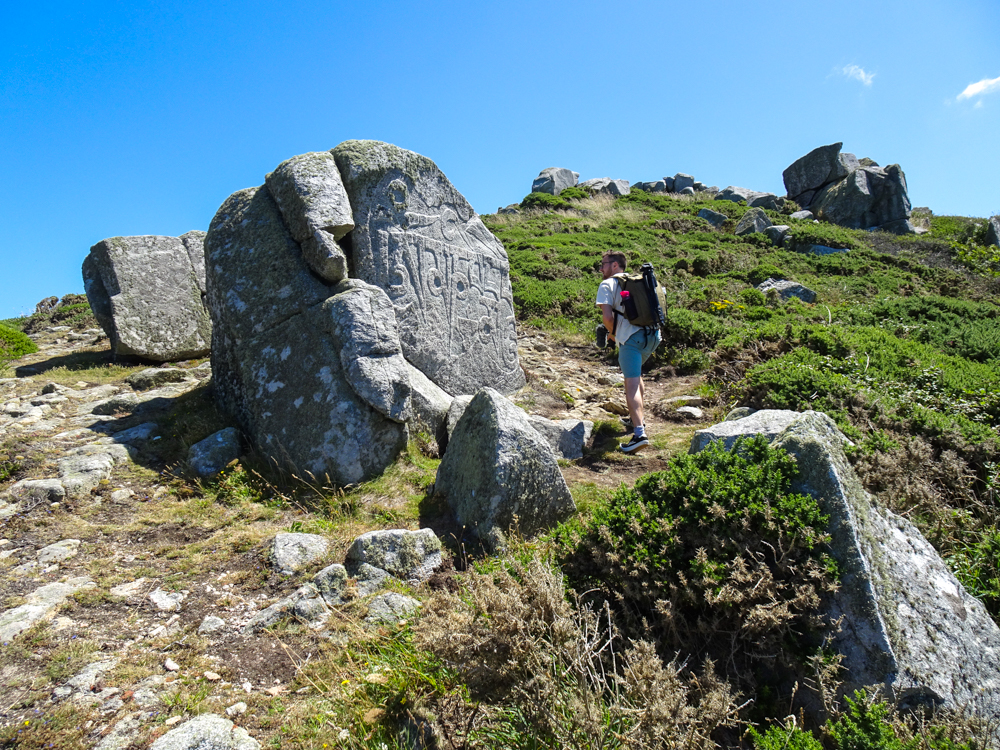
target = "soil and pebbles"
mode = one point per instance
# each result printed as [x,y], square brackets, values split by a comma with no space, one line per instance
[136,610]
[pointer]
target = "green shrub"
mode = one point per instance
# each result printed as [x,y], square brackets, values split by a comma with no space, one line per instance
[764,272]
[780,738]
[694,550]
[752,297]
[14,345]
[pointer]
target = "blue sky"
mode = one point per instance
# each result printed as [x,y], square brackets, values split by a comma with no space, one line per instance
[122,118]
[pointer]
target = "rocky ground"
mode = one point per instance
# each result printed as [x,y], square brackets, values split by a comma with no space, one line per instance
[135,598]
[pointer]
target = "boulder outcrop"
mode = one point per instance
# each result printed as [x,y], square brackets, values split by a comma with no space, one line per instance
[838,188]
[498,472]
[146,292]
[554,180]
[908,623]
[607,186]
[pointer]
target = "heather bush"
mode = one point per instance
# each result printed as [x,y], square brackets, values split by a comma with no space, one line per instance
[718,556]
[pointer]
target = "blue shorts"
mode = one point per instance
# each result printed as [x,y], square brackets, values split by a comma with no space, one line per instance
[634,352]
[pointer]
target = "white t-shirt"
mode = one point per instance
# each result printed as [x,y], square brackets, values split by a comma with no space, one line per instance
[608,294]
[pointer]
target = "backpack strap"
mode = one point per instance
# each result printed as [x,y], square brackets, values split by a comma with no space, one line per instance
[614,326]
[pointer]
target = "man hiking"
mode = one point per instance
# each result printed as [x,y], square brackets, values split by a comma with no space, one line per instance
[634,345]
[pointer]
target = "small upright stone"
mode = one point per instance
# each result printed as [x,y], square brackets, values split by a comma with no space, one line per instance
[753,221]
[499,471]
[210,456]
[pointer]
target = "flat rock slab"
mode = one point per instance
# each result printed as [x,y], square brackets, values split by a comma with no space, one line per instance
[57,552]
[146,294]
[39,604]
[206,732]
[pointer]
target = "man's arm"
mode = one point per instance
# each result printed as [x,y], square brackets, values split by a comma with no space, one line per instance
[609,319]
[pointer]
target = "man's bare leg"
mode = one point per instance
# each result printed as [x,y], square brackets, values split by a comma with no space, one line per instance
[634,390]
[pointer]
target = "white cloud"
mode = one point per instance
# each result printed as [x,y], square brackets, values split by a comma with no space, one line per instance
[858,73]
[979,88]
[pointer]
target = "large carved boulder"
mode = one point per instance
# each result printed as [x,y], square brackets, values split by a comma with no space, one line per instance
[417,238]
[498,472]
[146,292]
[312,372]
[908,623]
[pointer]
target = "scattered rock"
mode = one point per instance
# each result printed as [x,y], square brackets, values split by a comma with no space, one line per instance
[682,181]
[390,608]
[40,603]
[146,294]
[331,583]
[776,233]
[691,411]
[292,552]
[56,553]
[166,601]
[171,666]
[208,457]
[206,732]
[213,676]
[713,217]
[607,186]
[554,180]
[803,215]
[567,437]
[753,198]
[153,377]
[407,555]
[754,220]
[993,231]
[211,624]
[237,709]
[787,289]
[129,589]
[499,471]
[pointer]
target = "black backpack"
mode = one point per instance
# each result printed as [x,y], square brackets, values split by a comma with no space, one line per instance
[643,299]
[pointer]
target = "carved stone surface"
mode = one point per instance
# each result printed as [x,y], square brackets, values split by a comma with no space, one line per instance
[417,238]
[146,294]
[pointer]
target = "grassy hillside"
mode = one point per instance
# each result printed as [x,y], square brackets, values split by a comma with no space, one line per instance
[901,348]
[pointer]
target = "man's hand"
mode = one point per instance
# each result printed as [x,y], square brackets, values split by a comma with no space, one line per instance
[609,320]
